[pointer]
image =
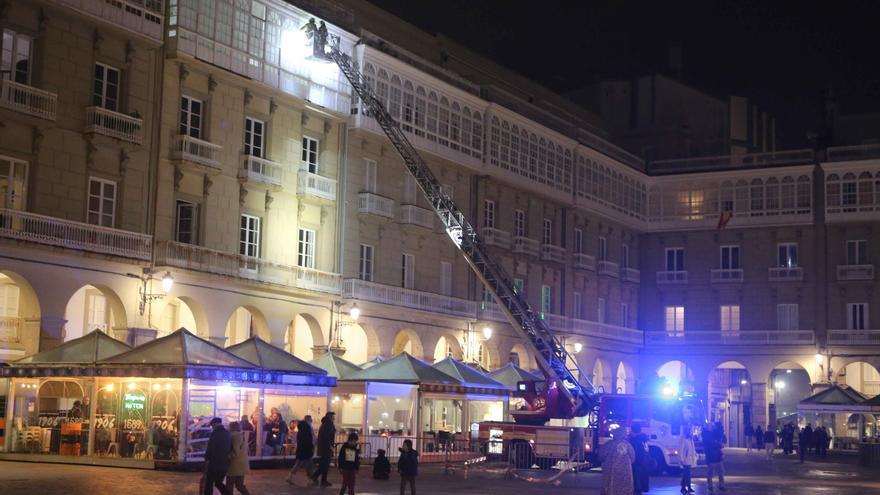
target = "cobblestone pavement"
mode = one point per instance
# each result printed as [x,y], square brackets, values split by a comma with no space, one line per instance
[748,474]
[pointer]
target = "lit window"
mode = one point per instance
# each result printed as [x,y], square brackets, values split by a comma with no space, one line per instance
[730,320]
[675,321]
[787,256]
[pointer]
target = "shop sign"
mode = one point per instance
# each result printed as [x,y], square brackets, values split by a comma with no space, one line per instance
[133,400]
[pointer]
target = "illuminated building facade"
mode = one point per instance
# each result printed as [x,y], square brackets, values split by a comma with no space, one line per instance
[204,140]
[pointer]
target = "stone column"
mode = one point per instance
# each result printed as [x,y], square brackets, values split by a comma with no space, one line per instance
[760,405]
[51,332]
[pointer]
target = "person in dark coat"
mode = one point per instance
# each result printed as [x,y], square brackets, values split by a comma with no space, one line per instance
[326,435]
[408,467]
[349,462]
[802,443]
[808,431]
[217,457]
[305,448]
[821,441]
[769,441]
[759,438]
[641,467]
[381,466]
[713,445]
[788,439]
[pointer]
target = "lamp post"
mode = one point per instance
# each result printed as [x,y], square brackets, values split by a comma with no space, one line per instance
[145,296]
[335,342]
[473,343]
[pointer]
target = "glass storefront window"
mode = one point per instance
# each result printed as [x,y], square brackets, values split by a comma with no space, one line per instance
[442,415]
[229,402]
[349,412]
[4,389]
[485,410]
[283,406]
[392,415]
[49,416]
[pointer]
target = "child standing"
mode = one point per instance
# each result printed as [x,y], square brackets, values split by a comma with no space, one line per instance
[381,466]
[408,467]
[349,462]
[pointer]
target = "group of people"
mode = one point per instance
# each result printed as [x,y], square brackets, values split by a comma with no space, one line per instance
[227,463]
[627,462]
[809,439]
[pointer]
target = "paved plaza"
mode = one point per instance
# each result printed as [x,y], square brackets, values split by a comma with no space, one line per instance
[748,474]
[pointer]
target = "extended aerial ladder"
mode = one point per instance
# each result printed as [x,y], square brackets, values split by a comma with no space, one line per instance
[565,396]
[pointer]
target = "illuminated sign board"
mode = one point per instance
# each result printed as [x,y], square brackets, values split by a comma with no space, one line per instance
[134,401]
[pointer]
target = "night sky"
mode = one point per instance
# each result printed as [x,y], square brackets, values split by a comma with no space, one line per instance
[784,55]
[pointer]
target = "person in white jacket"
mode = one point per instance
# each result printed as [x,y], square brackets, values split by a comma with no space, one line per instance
[688,455]
[239,464]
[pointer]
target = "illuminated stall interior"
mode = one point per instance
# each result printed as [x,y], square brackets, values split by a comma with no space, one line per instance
[845,414]
[347,399]
[94,397]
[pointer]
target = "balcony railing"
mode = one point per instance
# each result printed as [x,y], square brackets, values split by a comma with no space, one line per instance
[114,124]
[606,331]
[584,261]
[854,337]
[416,215]
[260,170]
[672,277]
[315,185]
[745,337]
[375,205]
[785,274]
[27,99]
[408,298]
[490,311]
[628,274]
[52,231]
[855,272]
[722,275]
[496,237]
[206,260]
[525,245]
[140,16]
[10,328]
[858,152]
[549,252]
[608,268]
[197,151]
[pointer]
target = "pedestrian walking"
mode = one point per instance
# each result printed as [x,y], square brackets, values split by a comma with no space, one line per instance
[641,466]
[802,443]
[750,434]
[808,431]
[349,462]
[769,441]
[759,438]
[713,445]
[617,457]
[239,464]
[217,457]
[821,435]
[408,467]
[381,466]
[305,448]
[326,434]
[688,455]
[788,439]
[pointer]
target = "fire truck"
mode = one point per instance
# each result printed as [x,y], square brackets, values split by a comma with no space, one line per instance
[562,395]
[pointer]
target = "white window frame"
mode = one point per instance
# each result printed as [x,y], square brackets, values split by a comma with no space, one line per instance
[108,98]
[578,241]
[446,278]
[519,223]
[370,172]
[857,316]
[787,254]
[311,154]
[101,214]
[488,213]
[729,315]
[11,45]
[787,316]
[365,262]
[306,248]
[547,232]
[193,232]
[96,319]
[674,267]
[188,115]
[252,227]
[10,300]
[407,271]
[857,252]
[733,257]
[254,138]
[14,184]
[674,321]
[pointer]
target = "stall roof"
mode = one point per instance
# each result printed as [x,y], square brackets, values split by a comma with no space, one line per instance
[466,375]
[88,349]
[179,348]
[836,398]
[372,362]
[335,365]
[512,374]
[403,368]
[265,355]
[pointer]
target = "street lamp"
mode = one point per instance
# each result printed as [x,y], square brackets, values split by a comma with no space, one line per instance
[355,312]
[335,340]
[578,347]
[487,333]
[147,297]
